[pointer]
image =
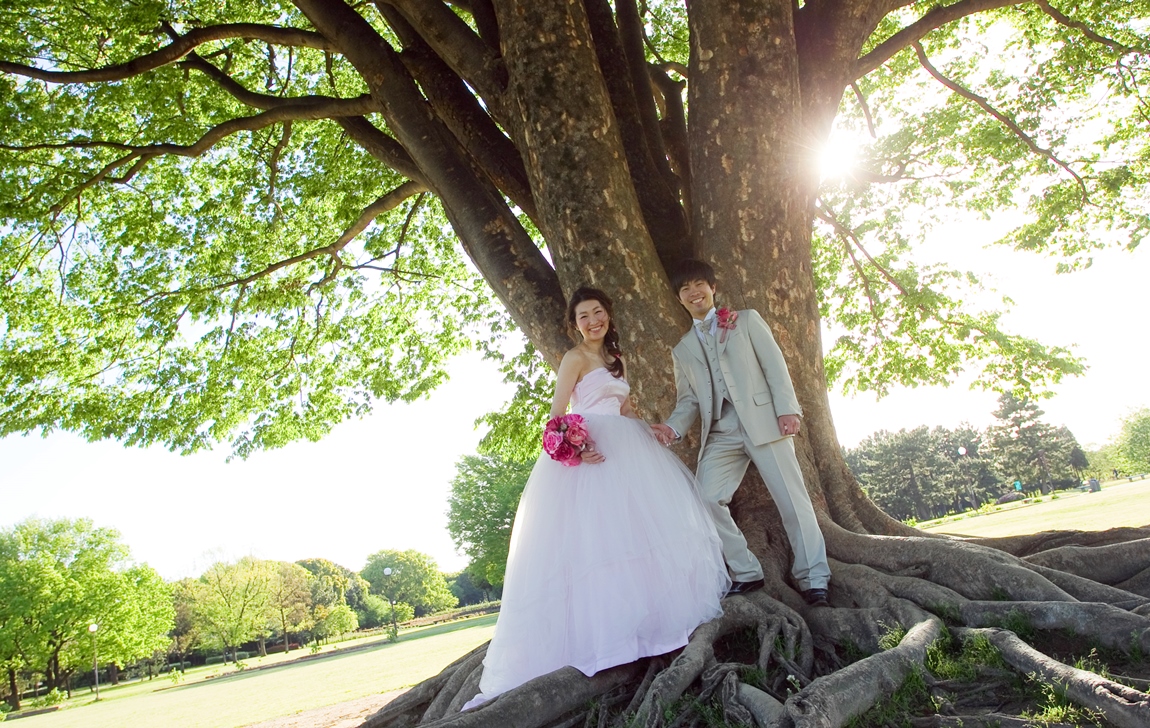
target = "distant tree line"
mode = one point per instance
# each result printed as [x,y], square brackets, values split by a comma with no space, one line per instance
[924,473]
[58,578]
[1128,453]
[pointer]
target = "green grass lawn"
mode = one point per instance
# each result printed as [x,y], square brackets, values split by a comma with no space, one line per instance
[1119,504]
[251,696]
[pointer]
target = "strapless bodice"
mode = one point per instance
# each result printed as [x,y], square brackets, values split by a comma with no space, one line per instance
[599,393]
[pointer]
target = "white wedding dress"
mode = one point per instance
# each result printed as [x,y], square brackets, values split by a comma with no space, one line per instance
[609,562]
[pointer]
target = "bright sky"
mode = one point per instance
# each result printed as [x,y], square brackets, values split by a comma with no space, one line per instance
[383,482]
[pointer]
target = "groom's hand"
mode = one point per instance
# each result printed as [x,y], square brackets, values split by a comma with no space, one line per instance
[789,424]
[663,433]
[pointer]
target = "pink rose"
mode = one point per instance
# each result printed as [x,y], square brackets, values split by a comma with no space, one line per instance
[564,452]
[576,435]
[552,439]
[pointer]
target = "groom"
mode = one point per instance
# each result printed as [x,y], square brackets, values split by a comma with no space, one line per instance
[730,371]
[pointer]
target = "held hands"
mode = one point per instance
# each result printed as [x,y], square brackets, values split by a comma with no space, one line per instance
[663,433]
[789,424]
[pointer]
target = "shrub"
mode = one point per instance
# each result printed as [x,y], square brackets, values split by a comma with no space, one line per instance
[214,660]
[55,696]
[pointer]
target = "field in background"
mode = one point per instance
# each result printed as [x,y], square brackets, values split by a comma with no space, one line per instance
[254,695]
[1119,503]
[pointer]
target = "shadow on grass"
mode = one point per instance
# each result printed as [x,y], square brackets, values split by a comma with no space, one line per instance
[382,644]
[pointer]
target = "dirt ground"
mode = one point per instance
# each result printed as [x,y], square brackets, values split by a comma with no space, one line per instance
[341,715]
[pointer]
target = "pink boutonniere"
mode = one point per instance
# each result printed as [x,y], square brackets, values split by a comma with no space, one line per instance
[727,319]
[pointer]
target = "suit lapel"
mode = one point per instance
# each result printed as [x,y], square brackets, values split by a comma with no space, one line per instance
[691,341]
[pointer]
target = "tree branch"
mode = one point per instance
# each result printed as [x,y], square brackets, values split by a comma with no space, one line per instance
[457,107]
[829,217]
[675,130]
[1059,17]
[367,135]
[463,50]
[142,154]
[491,235]
[387,202]
[174,51]
[1002,118]
[658,200]
[847,237]
[865,107]
[935,18]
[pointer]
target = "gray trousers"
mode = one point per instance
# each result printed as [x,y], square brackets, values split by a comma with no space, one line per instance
[721,469]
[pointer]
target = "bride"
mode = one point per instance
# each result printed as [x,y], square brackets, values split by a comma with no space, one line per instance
[611,560]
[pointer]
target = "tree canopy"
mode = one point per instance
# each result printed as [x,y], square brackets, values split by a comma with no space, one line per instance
[409,577]
[59,577]
[231,223]
[481,509]
[245,222]
[1133,442]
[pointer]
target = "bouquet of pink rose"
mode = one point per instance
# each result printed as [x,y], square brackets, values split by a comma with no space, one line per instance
[565,438]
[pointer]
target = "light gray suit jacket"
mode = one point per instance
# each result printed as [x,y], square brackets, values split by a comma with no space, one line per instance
[756,376]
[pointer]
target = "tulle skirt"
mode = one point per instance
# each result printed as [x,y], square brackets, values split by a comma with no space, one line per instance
[609,562]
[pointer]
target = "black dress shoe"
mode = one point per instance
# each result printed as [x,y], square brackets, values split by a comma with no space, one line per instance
[816,597]
[742,587]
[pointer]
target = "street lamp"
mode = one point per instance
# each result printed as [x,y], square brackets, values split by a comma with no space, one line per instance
[95,662]
[391,600]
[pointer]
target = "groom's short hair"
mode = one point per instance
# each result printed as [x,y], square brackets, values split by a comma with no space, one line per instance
[689,270]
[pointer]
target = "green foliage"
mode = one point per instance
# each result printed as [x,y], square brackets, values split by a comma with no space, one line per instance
[1019,624]
[514,432]
[154,311]
[223,293]
[414,579]
[948,659]
[375,612]
[339,621]
[57,578]
[481,509]
[1133,443]
[892,636]
[931,157]
[233,602]
[289,599]
[911,698]
[1055,707]
[920,474]
[469,590]
[1028,449]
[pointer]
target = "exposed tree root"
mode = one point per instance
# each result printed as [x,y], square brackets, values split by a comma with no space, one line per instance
[770,620]
[772,661]
[1123,706]
[1111,564]
[976,572]
[1034,543]
[1108,626]
[985,720]
[833,699]
[1138,584]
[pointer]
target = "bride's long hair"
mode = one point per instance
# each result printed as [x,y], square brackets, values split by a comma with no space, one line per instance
[611,340]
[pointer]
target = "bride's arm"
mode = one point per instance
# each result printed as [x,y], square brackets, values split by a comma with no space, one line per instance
[569,370]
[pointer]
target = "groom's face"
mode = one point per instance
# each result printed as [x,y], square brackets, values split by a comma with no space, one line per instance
[698,297]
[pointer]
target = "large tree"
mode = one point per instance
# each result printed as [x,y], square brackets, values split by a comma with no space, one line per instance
[484,496]
[57,578]
[226,222]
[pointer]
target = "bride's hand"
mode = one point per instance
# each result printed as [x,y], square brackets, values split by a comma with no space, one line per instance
[591,455]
